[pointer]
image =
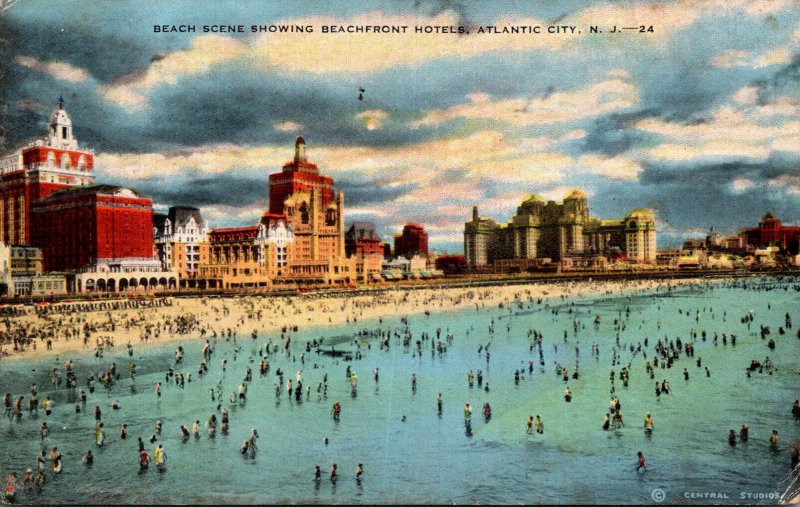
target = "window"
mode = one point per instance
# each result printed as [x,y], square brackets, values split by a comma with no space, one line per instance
[304,213]
[63,132]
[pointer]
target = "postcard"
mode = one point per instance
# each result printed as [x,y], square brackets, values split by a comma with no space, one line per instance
[429,251]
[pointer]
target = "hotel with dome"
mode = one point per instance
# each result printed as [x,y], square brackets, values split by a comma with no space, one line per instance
[561,232]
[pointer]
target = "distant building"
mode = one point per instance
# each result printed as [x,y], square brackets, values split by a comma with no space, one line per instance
[481,245]
[450,263]
[364,245]
[356,232]
[770,232]
[549,230]
[412,241]
[37,169]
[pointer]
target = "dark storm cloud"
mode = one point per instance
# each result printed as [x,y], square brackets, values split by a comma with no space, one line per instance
[106,56]
[8,33]
[720,174]
[359,193]
[208,190]
[784,81]
[614,133]
[700,196]
[239,107]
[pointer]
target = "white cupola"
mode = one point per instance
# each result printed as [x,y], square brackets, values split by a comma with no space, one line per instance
[59,133]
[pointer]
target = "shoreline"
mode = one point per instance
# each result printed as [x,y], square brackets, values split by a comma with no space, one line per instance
[172,319]
[196,318]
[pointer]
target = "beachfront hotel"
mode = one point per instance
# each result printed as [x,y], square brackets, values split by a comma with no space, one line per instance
[542,233]
[91,237]
[298,240]
[38,168]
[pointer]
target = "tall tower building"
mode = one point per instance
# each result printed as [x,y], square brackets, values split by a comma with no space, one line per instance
[38,169]
[315,214]
[298,175]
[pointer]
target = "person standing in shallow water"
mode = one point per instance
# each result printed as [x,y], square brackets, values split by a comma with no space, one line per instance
[641,465]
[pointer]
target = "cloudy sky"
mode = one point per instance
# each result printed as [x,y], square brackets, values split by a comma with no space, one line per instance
[698,120]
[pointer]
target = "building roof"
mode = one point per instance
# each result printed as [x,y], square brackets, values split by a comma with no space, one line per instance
[234,233]
[179,215]
[575,194]
[532,198]
[270,218]
[640,214]
[96,189]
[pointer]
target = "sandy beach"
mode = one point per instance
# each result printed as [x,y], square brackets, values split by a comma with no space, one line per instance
[183,318]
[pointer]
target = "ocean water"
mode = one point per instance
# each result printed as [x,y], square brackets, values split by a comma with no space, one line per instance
[412,454]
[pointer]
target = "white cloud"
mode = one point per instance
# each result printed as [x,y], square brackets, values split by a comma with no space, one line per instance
[741,185]
[600,98]
[746,130]
[778,56]
[747,95]
[59,70]
[737,58]
[530,168]
[543,143]
[617,168]
[288,126]
[558,193]
[731,58]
